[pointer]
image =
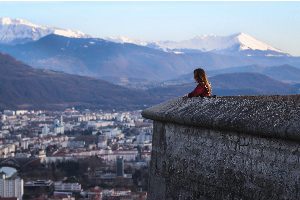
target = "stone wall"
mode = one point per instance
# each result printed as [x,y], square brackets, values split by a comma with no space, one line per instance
[226,148]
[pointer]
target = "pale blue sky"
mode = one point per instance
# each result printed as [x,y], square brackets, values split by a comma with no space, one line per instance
[276,23]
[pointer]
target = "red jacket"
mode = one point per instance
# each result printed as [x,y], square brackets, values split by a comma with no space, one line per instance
[200,91]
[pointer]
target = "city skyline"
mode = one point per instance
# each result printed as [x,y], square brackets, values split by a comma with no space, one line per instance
[275,23]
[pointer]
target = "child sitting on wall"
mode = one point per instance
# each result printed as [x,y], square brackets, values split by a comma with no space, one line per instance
[203,88]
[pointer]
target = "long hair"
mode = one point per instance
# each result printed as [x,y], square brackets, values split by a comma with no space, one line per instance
[201,78]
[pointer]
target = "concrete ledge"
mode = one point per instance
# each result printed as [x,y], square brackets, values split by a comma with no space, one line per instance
[268,116]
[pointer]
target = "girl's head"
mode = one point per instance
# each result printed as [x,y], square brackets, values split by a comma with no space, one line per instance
[200,75]
[201,78]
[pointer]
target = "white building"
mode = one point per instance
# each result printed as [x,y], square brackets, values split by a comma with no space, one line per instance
[42,154]
[111,133]
[21,112]
[11,187]
[45,130]
[25,142]
[99,124]
[127,155]
[59,126]
[7,150]
[9,112]
[86,118]
[3,118]
[72,187]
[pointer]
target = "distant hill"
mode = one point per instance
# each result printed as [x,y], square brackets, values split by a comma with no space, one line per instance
[259,83]
[98,58]
[284,73]
[24,87]
[101,58]
[232,84]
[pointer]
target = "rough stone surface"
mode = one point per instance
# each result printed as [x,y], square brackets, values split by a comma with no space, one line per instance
[271,116]
[226,148]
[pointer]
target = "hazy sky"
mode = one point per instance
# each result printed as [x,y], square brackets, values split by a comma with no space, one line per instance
[276,23]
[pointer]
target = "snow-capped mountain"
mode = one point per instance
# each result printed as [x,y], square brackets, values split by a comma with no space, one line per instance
[124,39]
[213,43]
[13,31]
[240,42]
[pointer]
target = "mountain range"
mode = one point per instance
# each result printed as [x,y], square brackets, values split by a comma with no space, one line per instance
[124,58]
[57,68]
[243,83]
[16,31]
[97,57]
[283,73]
[101,58]
[24,87]
[239,42]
